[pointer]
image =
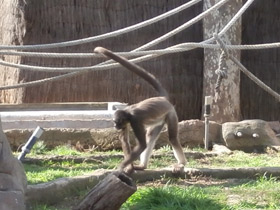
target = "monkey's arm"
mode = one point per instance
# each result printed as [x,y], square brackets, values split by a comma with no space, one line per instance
[140,134]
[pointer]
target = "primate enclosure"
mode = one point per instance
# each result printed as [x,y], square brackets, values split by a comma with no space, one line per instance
[40,22]
[47,64]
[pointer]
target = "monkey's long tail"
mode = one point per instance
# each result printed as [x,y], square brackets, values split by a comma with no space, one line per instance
[150,78]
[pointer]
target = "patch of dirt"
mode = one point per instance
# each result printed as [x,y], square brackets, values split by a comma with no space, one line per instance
[194,181]
[99,158]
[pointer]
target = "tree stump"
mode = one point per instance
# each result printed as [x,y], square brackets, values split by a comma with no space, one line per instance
[109,194]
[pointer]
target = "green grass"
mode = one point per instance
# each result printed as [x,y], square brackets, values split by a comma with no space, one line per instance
[263,193]
[166,198]
[48,170]
[43,207]
[40,148]
[237,159]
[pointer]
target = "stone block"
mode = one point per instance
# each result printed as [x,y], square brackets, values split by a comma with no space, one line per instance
[13,180]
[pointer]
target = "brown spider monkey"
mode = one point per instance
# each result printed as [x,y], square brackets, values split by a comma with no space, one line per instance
[147,119]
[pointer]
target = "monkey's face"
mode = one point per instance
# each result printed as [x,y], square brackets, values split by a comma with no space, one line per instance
[121,118]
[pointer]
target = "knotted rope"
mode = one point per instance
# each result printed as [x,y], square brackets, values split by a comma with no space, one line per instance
[221,71]
[246,71]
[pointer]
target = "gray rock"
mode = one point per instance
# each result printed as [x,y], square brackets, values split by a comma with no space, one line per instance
[191,133]
[249,135]
[221,149]
[13,180]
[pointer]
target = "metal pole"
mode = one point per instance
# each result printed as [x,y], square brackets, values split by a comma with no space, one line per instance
[207,108]
[31,141]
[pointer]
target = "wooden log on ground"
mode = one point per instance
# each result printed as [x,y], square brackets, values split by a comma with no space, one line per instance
[55,191]
[109,194]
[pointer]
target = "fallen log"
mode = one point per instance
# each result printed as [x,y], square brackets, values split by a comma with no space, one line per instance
[54,191]
[109,194]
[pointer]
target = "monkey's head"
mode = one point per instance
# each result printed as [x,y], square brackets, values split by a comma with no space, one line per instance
[121,119]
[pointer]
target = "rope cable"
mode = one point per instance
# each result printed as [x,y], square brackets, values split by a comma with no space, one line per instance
[255,79]
[150,44]
[246,71]
[173,49]
[182,27]
[138,59]
[68,75]
[171,33]
[221,71]
[106,35]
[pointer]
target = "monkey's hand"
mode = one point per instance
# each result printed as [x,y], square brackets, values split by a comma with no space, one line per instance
[178,168]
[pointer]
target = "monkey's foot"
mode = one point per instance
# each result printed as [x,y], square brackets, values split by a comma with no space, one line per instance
[128,170]
[139,167]
[178,168]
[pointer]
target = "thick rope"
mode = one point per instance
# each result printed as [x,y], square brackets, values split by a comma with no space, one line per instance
[68,75]
[221,71]
[141,58]
[182,27]
[150,44]
[103,36]
[222,64]
[173,49]
[236,17]
[255,79]
[126,30]
[173,32]
[247,72]
[227,26]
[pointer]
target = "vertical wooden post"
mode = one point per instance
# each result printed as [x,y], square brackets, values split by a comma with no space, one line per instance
[226,105]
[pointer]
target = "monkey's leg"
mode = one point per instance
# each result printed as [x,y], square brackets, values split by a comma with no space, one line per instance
[139,131]
[126,147]
[172,123]
[125,141]
[151,138]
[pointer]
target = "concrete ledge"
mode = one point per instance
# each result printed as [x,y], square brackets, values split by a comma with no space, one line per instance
[54,106]
[104,139]
[105,122]
[59,115]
